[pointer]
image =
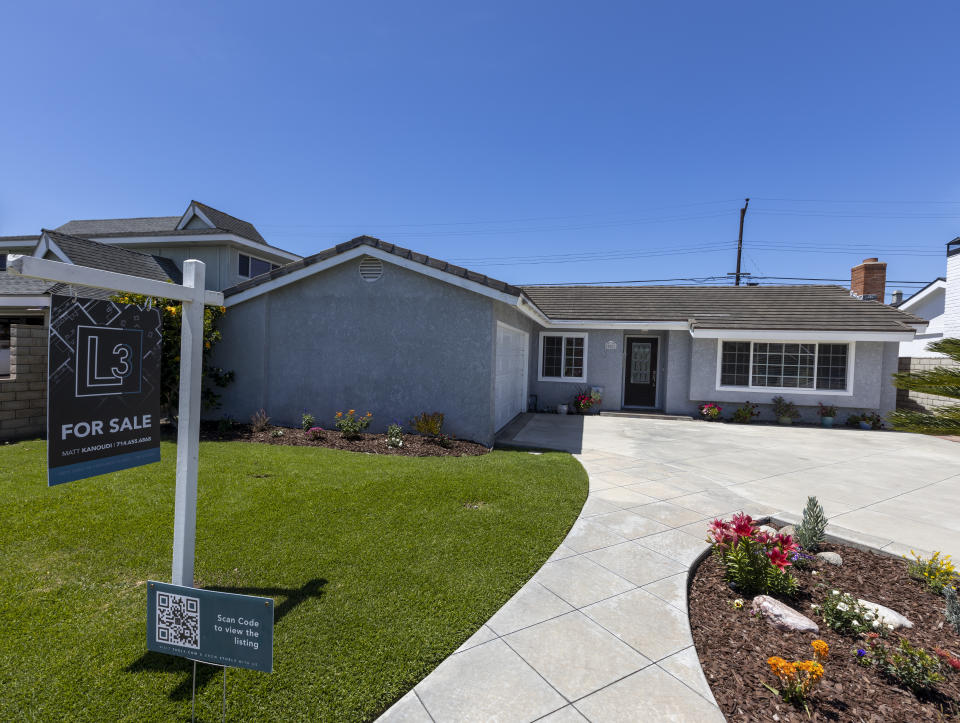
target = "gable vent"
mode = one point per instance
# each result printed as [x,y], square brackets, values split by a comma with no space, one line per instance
[371,269]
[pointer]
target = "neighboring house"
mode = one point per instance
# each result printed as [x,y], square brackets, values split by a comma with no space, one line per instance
[232,249]
[373,327]
[939,302]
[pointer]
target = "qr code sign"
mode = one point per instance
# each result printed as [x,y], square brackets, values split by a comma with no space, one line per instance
[178,620]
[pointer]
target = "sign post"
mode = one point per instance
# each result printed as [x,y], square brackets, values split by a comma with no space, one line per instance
[194,297]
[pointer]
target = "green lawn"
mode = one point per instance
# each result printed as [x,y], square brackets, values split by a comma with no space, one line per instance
[380,568]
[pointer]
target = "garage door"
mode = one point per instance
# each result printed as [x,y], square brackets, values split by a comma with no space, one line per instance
[510,385]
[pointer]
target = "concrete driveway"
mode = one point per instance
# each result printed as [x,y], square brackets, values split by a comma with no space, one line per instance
[901,490]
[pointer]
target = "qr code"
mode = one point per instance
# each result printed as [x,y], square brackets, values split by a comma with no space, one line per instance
[178,620]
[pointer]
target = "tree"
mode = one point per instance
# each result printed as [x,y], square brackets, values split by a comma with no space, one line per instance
[943,381]
[213,377]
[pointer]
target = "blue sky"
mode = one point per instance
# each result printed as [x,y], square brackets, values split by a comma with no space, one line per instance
[535,142]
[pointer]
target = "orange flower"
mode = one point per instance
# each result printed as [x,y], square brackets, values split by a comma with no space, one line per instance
[351,411]
[339,414]
[820,648]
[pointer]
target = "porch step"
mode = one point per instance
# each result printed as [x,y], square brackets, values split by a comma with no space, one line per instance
[648,415]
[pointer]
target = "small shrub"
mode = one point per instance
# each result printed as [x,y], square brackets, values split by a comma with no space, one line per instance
[430,424]
[710,411]
[753,561]
[316,433]
[799,678]
[276,433]
[783,408]
[745,413]
[350,425]
[936,573]
[914,668]
[845,615]
[395,436]
[810,532]
[826,410]
[259,421]
[445,440]
[953,607]
[876,421]
[307,421]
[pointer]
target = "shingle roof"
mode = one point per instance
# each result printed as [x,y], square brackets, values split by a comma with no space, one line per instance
[84,252]
[230,223]
[383,246]
[124,226]
[820,308]
[17,285]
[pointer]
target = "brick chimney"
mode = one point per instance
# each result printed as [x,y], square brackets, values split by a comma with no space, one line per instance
[868,281]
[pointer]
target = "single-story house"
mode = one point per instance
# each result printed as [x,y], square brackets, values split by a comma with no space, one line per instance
[370,326]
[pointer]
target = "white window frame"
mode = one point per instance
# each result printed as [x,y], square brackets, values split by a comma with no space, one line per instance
[563,359]
[851,359]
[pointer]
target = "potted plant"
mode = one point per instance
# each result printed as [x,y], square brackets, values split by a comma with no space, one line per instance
[710,411]
[784,411]
[827,414]
[745,413]
[585,400]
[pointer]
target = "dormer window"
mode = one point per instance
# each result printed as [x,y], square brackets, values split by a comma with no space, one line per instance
[250,266]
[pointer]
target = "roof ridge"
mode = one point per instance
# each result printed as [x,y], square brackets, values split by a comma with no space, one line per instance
[95,243]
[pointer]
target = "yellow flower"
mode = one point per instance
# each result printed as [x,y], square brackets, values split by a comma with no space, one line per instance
[820,648]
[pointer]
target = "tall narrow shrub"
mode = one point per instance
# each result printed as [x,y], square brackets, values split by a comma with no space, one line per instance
[810,532]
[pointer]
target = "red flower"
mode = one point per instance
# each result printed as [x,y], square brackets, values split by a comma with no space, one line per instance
[742,525]
[778,557]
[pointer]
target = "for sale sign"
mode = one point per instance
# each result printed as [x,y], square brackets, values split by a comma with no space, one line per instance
[103,388]
[222,628]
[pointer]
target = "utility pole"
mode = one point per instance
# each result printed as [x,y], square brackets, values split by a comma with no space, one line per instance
[743,212]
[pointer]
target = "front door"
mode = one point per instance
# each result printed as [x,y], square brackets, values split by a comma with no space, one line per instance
[640,385]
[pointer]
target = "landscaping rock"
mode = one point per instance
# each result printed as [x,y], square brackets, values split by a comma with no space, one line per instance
[830,557]
[788,530]
[886,615]
[766,528]
[783,617]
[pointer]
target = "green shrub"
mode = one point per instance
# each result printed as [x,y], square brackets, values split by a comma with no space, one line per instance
[225,425]
[428,423]
[351,425]
[912,667]
[810,532]
[259,421]
[936,573]
[395,436]
[745,413]
[783,408]
[445,440]
[753,561]
[845,615]
[953,607]
[307,420]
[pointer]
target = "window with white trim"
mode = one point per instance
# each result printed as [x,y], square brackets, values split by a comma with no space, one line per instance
[784,365]
[563,357]
[250,266]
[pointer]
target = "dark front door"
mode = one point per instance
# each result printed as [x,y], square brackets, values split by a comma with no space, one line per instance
[640,385]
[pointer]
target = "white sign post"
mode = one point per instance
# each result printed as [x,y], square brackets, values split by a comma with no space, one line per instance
[194,298]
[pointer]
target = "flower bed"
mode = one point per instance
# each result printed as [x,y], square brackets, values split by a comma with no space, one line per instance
[413,445]
[735,645]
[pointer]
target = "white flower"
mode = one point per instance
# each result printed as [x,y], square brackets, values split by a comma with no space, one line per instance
[857,623]
[815,572]
[834,592]
[889,627]
[876,623]
[868,616]
[843,607]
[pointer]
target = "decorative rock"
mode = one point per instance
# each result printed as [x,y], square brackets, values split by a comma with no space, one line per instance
[831,558]
[783,617]
[887,616]
[766,528]
[788,530]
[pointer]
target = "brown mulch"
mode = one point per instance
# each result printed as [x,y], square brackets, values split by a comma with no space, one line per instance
[734,645]
[413,445]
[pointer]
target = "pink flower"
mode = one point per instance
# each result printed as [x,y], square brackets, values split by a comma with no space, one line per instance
[742,525]
[778,557]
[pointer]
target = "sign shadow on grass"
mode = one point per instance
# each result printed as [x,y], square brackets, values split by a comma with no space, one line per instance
[157,662]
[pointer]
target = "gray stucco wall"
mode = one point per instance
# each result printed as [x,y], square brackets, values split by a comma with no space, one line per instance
[396,347]
[874,363]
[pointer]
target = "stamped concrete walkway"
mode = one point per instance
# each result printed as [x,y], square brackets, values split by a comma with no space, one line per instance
[601,633]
